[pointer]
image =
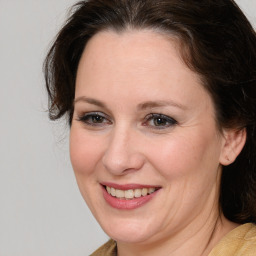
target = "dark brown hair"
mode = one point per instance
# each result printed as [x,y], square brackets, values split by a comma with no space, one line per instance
[216,41]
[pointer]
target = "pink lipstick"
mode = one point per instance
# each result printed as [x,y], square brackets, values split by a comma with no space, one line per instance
[128,197]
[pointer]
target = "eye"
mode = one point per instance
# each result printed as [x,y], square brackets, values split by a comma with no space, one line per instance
[94,119]
[159,121]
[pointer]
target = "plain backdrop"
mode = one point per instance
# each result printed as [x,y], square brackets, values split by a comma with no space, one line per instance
[41,210]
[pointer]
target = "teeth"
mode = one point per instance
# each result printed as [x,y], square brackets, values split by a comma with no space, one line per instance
[113,192]
[119,193]
[151,190]
[130,193]
[144,191]
[137,192]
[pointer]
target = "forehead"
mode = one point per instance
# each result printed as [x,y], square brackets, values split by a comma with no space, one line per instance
[144,64]
[134,50]
[135,44]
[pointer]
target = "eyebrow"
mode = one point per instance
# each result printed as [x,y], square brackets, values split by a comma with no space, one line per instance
[157,104]
[142,106]
[90,101]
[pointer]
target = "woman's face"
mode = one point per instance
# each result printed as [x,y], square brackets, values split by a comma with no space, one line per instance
[144,129]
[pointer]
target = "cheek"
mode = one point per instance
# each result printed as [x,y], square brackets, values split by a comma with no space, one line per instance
[84,152]
[185,155]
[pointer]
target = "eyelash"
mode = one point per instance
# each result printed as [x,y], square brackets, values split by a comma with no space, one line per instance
[168,121]
[88,119]
[98,119]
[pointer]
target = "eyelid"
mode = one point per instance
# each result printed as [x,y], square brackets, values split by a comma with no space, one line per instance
[169,119]
[87,119]
[82,118]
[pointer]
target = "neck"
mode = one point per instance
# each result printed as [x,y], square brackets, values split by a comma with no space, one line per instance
[194,239]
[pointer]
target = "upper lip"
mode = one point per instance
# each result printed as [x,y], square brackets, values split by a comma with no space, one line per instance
[128,186]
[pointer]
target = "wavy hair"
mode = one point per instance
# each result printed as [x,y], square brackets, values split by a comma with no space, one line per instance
[216,41]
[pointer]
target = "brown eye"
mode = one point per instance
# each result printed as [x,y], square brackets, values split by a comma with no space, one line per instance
[159,121]
[97,119]
[94,119]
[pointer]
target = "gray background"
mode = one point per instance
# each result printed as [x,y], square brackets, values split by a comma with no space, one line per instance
[41,210]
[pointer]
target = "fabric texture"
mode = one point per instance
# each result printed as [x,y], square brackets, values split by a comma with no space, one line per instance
[241,241]
[108,249]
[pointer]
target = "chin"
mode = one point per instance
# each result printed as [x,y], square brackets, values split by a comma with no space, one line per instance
[128,231]
[129,236]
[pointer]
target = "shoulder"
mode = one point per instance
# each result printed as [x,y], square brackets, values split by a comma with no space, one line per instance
[108,249]
[240,241]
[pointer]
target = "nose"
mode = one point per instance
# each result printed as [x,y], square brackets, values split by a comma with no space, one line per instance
[123,152]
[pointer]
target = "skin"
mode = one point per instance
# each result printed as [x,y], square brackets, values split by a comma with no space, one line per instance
[119,73]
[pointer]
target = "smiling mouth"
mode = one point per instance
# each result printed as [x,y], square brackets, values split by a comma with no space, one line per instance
[130,193]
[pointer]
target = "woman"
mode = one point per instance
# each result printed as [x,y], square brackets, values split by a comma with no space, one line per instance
[161,101]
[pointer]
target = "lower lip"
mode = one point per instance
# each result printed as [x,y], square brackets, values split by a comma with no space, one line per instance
[129,204]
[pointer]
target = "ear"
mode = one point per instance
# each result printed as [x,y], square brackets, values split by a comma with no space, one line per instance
[233,143]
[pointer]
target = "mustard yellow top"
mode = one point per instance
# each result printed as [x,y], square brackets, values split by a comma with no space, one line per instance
[241,241]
